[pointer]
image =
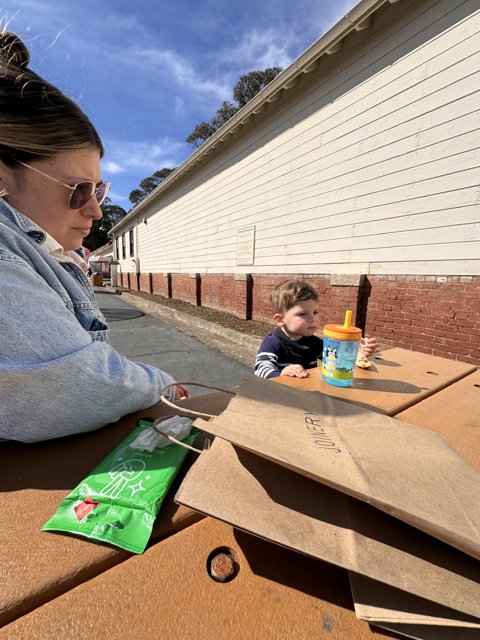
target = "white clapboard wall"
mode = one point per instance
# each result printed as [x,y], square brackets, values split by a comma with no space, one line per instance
[370,164]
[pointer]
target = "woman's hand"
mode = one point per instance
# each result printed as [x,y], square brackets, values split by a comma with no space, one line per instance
[181,392]
[294,371]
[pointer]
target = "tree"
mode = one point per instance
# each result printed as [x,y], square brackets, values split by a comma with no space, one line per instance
[226,111]
[252,83]
[246,88]
[148,184]
[98,236]
[202,132]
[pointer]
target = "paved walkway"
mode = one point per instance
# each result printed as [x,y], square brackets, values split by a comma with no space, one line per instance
[240,346]
[145,338]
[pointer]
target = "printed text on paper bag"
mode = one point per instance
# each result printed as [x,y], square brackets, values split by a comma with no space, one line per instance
[320,437]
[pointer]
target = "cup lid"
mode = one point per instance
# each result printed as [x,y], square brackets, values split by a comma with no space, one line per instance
[338,332]
[343,331]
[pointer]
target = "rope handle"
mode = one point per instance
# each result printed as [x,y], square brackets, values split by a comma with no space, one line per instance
[183,410]
[175,441]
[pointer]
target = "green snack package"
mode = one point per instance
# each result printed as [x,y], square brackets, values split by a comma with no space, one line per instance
[118,502]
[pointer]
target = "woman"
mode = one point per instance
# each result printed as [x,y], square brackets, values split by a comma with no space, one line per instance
[58,374]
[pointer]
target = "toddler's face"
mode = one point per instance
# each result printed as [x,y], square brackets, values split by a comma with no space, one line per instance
[300,320]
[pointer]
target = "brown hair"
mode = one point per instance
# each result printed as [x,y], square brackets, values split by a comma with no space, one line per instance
[287,294]
[37,120]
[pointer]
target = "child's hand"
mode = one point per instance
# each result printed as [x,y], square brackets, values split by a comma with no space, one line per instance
[294,371]
[368,346]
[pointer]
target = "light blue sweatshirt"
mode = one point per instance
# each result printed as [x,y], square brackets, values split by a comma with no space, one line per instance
[58,374]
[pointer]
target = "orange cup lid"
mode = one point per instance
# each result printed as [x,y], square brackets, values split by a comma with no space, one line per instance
[339,332]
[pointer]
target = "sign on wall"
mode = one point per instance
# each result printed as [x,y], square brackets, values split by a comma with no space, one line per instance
[246,246]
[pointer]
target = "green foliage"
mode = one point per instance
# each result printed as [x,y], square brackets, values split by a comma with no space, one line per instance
[226,111]
[202,132]
[252,83]
[136,196]
[246,88]
[148,184]
[98,236]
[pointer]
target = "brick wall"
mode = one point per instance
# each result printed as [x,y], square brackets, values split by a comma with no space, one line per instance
[228,292]
[161,284]
[436,315]
[218,290]
[262,288]
[185,287]
[145,279]
[335,295]
[431,314]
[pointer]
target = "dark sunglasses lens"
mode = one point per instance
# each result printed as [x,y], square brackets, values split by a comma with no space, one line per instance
[83,192]
[101,191]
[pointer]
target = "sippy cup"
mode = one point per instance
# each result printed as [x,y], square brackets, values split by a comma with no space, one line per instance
[340,350]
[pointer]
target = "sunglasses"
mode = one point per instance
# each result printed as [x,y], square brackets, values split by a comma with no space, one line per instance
[80,192]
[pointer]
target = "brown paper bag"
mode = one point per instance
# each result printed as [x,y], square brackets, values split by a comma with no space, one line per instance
[274,503]
[407,471]
[400,611]
[426,632]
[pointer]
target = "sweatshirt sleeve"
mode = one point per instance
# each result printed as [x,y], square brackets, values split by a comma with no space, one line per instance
[266,362]
[56,379]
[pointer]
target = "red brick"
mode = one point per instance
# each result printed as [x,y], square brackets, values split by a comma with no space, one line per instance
[412,311]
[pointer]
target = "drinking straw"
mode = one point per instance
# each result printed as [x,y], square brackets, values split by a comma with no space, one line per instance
[348,320]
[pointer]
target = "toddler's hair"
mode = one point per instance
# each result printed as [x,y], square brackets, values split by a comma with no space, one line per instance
[287,294]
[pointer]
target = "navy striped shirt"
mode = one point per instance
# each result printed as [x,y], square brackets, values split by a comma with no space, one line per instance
[277,351]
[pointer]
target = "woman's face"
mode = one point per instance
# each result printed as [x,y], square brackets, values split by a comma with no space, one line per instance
[47,203]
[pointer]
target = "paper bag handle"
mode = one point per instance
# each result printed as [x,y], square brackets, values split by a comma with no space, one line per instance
[191,412]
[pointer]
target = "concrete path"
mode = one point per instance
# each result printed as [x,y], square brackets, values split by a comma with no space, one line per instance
[144,338]
[235,344]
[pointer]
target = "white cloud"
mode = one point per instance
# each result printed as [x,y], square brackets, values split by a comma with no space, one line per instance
[180,109]
[338,10]
[260,49]
[113,167]
[147,156]
[318,17]
[183,72]
[115,197]
[291,32]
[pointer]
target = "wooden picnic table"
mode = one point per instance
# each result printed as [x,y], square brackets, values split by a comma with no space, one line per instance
[35,566]
[168,592]
[454,413]
[60,586]
[397,379]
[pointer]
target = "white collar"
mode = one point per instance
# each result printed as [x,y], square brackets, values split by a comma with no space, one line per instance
[56,250]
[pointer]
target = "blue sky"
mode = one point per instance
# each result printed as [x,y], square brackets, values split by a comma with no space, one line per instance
[147,72]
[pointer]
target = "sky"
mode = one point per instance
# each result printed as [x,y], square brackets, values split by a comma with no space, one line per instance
[147,72]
